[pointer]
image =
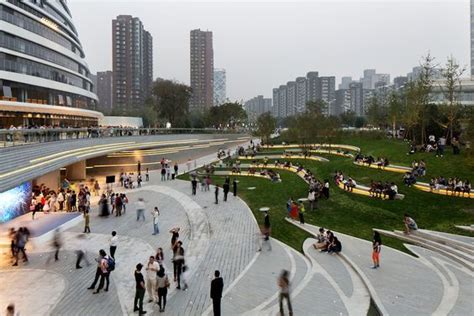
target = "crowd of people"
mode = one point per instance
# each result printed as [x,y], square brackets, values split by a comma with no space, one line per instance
[455,186]
[383,190]
[381,162]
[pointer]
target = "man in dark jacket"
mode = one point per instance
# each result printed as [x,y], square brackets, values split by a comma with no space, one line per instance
[217,285]
[226,188]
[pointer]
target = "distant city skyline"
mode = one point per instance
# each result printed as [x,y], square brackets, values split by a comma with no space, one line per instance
[266,51]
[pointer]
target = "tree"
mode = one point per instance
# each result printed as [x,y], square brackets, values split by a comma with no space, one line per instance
[171,101]
[424,88]
[360,121]
[451,88]
[227,114]
[317,107]
[376,114]
[266,125]
[348,118]
[394,111]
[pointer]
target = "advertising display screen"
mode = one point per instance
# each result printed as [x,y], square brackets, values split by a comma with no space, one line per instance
[15,202]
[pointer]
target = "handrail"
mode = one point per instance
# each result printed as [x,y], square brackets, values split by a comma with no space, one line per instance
[15,137]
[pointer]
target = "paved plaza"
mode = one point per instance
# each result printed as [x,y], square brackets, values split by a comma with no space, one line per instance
[226,237]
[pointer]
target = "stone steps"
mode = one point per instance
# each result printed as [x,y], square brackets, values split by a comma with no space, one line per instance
[434,246]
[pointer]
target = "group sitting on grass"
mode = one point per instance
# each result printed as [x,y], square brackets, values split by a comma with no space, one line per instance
[454,185]
[369,160]
[348,184]
[383,190]
[419,167]
[409,179]
[326,241]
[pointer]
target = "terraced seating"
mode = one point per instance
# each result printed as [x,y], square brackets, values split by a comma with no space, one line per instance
[260,157]
[241,173]
[466,228]
[457,251]
[427,289]
[334,146]
[364,190]
[336,152]
[390,167]
[442,190]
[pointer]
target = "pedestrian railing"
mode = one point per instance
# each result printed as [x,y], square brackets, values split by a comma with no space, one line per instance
[18,137]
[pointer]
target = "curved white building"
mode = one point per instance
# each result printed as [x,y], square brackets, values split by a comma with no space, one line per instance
[43,75]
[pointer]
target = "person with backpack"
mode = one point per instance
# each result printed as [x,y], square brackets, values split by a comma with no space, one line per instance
[105,265]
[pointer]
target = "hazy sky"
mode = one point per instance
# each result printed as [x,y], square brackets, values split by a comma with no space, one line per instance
[267,43]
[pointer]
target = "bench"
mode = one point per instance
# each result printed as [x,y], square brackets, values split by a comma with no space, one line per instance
[364,190]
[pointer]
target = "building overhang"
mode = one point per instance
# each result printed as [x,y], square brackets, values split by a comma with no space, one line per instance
[22,107]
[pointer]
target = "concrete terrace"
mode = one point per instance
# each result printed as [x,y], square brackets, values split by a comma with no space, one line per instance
[24,163]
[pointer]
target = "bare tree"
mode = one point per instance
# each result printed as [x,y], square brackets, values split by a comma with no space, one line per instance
[451,88]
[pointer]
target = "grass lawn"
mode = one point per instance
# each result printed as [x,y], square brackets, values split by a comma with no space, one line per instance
[355,214]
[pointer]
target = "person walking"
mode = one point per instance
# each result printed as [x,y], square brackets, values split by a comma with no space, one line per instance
[194,185]
[152,269]
[226,188]
[140,209]
[301,212]
[20,241]
[217,285]
[118,205]
[155,215]
[376,248]
[113,242]
[147,175]
[139,290]
[284,285]
[81,253]
[266,231]
[179,261]
[175,167]
[162,283]
[87,228]
[311,199]
[234,186]
[216,192]
[57,244]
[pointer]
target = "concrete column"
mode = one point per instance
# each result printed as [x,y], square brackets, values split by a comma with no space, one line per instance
[76,171]
[51,180]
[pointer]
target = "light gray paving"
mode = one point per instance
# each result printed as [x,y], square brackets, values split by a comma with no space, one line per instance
[457,282]
[231,248]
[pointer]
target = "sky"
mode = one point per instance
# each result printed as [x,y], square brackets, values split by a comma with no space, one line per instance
[263,44]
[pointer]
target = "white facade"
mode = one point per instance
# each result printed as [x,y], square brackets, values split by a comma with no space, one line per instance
[220,86]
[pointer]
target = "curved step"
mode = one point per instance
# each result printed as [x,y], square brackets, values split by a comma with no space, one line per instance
[350,289]
[462,243]
[393,290]
[423,243]
[457,282]
[261,275]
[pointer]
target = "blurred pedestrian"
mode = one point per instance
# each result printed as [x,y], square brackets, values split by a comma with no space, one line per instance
[140,209]
[284,285]
[87,228]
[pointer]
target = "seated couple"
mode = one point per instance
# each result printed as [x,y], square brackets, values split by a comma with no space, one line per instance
[326,241]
